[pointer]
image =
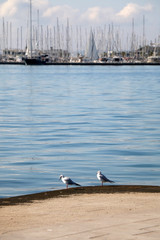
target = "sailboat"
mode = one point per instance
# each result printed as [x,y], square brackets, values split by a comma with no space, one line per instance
[91,53]
[32,58]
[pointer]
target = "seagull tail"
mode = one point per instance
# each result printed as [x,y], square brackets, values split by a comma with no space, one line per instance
[111,181]
[77,184]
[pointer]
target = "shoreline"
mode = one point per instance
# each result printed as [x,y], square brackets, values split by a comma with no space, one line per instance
[78,191]
[86,64]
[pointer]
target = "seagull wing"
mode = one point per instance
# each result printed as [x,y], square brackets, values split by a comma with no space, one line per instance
[70,182]
[105,179]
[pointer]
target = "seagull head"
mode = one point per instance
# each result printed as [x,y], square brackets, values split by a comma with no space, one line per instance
[60,177]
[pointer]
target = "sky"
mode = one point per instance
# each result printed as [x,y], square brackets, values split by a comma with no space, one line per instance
[87,13]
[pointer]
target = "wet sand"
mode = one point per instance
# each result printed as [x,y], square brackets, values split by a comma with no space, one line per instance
[109,212]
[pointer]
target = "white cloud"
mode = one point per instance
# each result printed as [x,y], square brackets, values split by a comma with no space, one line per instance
[92,15]
[97,15]
[41,4]
[132,9]
[19,8]
[62,12]
[8,8]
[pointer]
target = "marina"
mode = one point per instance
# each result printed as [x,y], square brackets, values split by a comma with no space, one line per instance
[62,44]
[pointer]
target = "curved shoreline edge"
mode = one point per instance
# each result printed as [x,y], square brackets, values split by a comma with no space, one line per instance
[78,190]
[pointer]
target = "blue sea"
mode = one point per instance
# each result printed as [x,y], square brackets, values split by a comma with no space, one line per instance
[76,120]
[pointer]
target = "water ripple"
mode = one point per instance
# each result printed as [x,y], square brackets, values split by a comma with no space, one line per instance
[76,120]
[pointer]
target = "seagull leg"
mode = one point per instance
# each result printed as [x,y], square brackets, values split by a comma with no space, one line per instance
[67,186]
[102,184]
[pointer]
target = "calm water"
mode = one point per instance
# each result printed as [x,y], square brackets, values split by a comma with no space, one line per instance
[75,120]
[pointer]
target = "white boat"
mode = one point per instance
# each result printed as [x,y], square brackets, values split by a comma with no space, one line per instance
[153,59]
[91,53]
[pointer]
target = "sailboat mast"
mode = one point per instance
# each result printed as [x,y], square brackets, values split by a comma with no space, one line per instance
[30,18]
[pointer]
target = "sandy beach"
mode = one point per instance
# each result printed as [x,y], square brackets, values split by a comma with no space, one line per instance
[100,214]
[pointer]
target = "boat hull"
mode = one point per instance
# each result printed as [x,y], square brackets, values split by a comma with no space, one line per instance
[34,61]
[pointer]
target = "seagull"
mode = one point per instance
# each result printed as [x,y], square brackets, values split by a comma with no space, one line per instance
[102,178]
[68,181]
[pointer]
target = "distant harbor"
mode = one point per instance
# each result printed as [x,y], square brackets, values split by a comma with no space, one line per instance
[87,63]
[63,57]
[60,57]
[60,44]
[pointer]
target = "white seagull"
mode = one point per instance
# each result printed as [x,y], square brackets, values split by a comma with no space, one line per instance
[102,178]
[68,181]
